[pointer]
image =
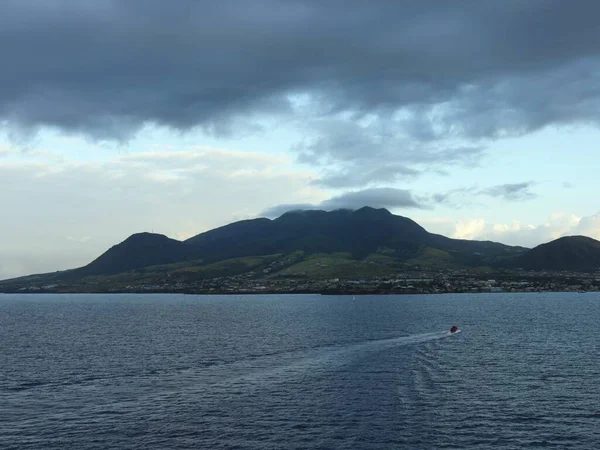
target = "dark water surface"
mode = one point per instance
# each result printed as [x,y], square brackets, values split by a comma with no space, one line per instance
[274,372]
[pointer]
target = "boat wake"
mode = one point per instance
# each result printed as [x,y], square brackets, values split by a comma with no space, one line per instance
[314,362]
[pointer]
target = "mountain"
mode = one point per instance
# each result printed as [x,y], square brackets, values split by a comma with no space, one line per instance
[359,233]
[362,243]
[566,253]
[138,250]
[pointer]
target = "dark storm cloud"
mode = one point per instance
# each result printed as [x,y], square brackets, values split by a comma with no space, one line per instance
[388,198]
[402,79]
[383,151]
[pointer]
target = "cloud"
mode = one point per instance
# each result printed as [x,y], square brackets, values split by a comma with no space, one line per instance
[81,240]
[384,150]
[509,192]
[588,226]
[95,204]
[514,191]
[365,175]
[375,197]
[468,70]
[389,198]
[278,210]
[468,229]
[516,232]
[6,151]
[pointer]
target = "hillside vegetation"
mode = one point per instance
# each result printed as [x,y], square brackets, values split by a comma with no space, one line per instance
[309,245]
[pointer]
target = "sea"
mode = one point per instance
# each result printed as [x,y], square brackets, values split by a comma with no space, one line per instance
[299,371]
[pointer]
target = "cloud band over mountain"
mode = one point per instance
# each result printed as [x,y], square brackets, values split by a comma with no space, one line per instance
[419,69]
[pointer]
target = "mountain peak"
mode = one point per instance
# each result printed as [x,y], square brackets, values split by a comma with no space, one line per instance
[343,211]
[565,253]
[373,211]
[145,235]
[575,238]
[314,212]
[138,250]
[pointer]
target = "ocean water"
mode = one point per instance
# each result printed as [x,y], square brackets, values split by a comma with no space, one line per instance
[287,372]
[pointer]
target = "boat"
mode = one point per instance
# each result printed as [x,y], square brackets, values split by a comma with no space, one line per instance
[453,329]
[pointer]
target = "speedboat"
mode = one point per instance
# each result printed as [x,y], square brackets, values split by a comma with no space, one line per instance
[453,329]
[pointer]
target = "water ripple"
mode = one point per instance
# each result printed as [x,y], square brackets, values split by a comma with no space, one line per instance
[268,372]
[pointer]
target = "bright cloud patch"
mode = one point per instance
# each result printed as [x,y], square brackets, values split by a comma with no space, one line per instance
[94,205]
[516,233]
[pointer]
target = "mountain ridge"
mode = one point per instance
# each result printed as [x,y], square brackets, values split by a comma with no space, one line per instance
[362,234]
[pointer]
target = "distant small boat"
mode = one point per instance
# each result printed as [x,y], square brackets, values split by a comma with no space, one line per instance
[453,329]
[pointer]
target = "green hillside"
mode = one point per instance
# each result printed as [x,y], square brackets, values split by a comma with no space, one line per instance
[305,245]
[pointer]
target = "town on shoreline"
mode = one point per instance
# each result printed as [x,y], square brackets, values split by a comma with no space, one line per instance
[414,282]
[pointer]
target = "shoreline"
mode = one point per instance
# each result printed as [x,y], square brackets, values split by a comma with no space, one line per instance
[296,292]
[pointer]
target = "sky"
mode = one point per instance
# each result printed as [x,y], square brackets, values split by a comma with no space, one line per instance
[478,120]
